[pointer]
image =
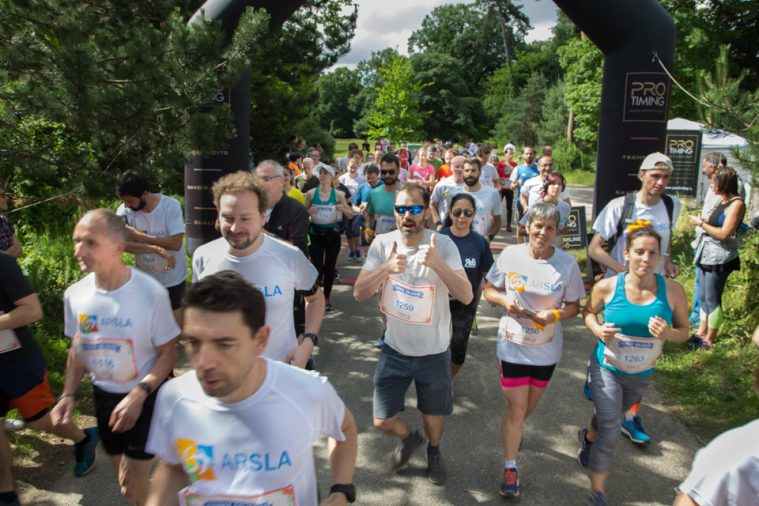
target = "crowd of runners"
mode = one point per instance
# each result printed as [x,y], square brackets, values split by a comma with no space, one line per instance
[239,428]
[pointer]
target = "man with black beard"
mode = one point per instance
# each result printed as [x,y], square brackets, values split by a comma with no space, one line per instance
[487,218]
[156,232]
[379,205]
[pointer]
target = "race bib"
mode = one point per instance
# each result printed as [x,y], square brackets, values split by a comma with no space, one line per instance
[325,215]
[151,262]
[408,303]
[521,330]
[384,224]
[284,496]
[8,340]
[109,359]
[480,224]
[632,354]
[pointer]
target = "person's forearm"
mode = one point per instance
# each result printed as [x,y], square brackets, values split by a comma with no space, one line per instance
[172,242]
[600,255]
[494,296]
[167,481]
[20,316]
[569,310]
[434,213]
[457,283]
[142,247]
[368,283]
[74,372]
[343,454]
[523,201]
[167,358]
[495,226]
[314,312]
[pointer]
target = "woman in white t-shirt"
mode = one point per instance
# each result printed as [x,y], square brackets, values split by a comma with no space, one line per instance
[550,193]
[538,285]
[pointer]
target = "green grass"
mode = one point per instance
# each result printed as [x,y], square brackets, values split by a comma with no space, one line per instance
[341,146]
[581,177]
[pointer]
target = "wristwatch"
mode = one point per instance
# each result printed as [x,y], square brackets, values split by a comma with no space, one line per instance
[145,387]
[313,337]
[348,489]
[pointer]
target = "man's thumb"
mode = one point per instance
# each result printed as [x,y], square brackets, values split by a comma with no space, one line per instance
[395,248]
[433,241]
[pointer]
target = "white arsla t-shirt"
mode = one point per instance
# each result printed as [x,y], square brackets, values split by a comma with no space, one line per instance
[261,447]
[116,333]
[532,188]
[488,202]
[537,285]
[415,302]
[489,175]
[726,471]
[442,194]
[163,221]
[352,183]
[278,269]
[607,220]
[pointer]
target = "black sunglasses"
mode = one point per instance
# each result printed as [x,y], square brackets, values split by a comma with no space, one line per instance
[466,212]
[387,172]
[411,209]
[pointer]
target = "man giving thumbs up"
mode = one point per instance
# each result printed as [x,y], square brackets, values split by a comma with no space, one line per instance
[414,270]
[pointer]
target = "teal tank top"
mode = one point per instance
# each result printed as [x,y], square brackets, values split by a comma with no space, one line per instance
[633,318]
[331,201]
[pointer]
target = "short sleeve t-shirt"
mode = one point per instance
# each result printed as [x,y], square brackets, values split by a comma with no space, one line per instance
[488,202]
[163,221]
[421,173]
[261,445]
[352,183]
[380,204]
[475,255]
[419,287]
[726,471]
[276,268]
[607,220]
[14,343]
[489,175]
[362,195]
[115,333]
[442,194]
[537,285]
[532,188]
[524,172]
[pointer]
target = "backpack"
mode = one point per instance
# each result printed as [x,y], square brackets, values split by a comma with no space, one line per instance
[596,270]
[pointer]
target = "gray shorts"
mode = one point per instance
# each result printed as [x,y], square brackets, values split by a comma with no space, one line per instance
[431,375]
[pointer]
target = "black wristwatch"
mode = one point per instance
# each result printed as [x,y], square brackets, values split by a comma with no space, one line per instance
[348,489]
[313,337]
[145,387]
[491,237]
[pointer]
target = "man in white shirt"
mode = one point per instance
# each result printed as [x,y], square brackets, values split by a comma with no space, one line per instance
[124,335]
[414,270]
[156,233]
[488,172]
[240,428]
[487,218]
[445,190]
[532,187]
[277,268]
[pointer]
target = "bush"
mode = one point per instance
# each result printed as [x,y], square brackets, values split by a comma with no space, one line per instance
[310,130]
[568,157]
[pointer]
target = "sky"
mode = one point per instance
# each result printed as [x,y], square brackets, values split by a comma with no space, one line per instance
[389,23]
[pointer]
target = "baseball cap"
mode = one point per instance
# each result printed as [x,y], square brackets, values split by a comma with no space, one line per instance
[509,146]
[328,168]
[657,161]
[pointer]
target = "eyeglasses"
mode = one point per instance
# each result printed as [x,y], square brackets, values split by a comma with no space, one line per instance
[387,172]
[269,178]
[414,210]
[466,212]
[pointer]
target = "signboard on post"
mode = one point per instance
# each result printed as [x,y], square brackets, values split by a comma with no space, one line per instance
[683,147]
[576,236]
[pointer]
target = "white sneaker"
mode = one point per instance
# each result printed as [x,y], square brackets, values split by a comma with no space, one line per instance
[12,425]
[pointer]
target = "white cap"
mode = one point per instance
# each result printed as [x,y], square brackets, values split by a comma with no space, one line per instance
[328,168]
[510,146]
[657,161]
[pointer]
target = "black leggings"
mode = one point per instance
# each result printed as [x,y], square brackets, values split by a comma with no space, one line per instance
[508,194]
[324,249]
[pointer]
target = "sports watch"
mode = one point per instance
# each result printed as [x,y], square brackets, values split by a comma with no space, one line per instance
[313,337]
[348,489]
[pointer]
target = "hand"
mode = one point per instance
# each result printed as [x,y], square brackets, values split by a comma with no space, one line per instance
[670,269]
[171,262]
[695,220]
[133,234]
[311,210]
[126,412]
[335,499]
[299,355]
[544,317]
[513,307]
[658,327]
[428,254]
[606,332]
[397,263]
[63,410]
[362,209]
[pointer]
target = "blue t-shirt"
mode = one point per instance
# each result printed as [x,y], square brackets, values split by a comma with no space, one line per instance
[475,256]
[380,202]
[525,172]
[362,194]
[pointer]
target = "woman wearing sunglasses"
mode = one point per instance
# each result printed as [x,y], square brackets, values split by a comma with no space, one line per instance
[538,285]
[477,259]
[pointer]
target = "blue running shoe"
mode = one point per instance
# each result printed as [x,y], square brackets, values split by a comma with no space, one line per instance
[85,454]
[583,456]
[633,429]
[510,486]
[596,499]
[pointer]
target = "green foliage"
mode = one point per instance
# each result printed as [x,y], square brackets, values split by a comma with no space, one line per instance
[395,112]
[567,157]
[521,115]
[336,108]
[553,116]
[313,134]
[582,62]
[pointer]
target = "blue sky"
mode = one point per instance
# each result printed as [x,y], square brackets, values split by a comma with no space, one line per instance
[389,23]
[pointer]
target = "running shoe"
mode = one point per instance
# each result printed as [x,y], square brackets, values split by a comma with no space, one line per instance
[337,274]
[583,456]
[510,486]
[596,499]
[328,306]
[351,256]
[84,454]
[435,467]
[357,256]
[633,429]
[694,342]
[405,449]
[12,425]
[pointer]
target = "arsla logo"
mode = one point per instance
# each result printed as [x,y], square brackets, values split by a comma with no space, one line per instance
[88,323]
[197,460]
[647,93]
[516,281]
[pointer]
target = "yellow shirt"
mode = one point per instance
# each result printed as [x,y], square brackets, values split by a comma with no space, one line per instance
[295,193]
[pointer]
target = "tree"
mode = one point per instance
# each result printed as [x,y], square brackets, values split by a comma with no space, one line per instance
[336,106]
[395,112]
[522,114]
[371,80]
[553,116]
